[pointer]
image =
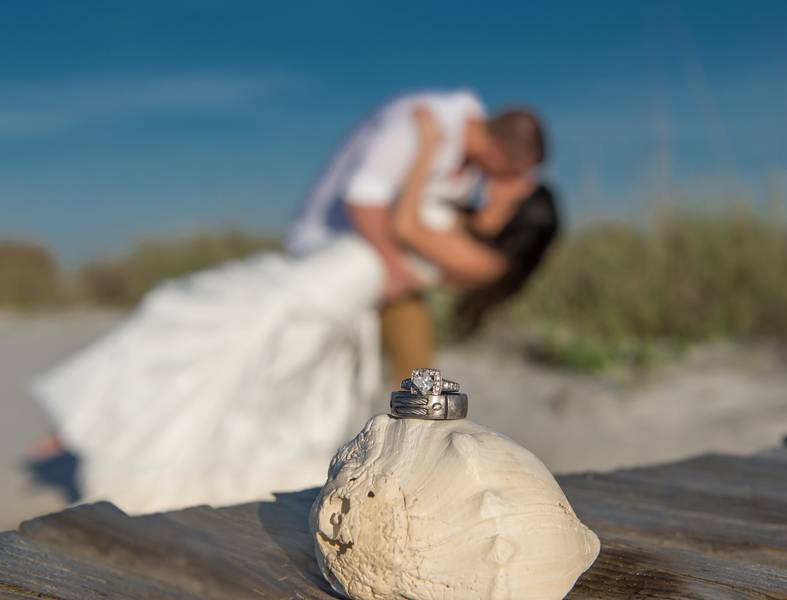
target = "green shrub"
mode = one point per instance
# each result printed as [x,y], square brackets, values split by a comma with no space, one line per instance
[29,276]
[608,294]
[615,290]
[124,281]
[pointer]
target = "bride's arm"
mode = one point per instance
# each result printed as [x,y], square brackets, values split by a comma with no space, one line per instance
[465,261]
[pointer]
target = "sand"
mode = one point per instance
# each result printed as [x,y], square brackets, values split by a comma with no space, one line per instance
[720,397]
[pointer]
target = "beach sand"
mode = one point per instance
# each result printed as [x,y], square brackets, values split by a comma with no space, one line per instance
[720,397]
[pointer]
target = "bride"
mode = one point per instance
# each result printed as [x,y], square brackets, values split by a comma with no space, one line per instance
[238,381]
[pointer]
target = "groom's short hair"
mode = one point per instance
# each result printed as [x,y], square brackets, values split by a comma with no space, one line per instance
[520,133]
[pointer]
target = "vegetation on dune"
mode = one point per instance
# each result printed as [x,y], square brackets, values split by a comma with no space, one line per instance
[617,292]
[29,276]
[608,294]
[123,281]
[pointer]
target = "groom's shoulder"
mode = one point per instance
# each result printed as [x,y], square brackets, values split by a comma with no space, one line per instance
[439,100]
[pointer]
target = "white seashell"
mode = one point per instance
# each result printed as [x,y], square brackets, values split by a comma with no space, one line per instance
[445,509]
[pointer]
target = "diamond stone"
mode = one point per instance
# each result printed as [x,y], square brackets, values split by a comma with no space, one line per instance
[428,381]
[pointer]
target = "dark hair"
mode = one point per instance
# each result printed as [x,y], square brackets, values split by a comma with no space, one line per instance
[523,241]
[521,134]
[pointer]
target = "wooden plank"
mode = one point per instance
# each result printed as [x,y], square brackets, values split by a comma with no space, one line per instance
[624,571]
[765,515]
[703,523]
[29,570]
[665,494]
[201,552]
[673,535]
[777,453]
[752,478]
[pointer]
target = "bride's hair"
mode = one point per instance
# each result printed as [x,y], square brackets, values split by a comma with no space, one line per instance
[523,241]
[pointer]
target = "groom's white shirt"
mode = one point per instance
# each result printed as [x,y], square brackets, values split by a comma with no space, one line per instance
[372,166]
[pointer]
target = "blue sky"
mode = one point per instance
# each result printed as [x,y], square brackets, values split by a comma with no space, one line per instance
[125,120]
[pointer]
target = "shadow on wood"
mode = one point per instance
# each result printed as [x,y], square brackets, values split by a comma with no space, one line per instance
[710,527]
[259,549]
[286,522]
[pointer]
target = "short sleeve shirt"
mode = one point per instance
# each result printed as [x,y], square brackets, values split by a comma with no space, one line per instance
[372,167]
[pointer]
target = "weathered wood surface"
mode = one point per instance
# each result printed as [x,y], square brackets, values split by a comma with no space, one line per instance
[711,527]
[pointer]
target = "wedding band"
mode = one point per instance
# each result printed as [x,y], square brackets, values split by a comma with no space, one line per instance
[442,407]
[428,381]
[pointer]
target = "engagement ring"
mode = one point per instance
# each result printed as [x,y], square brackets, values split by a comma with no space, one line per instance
[429,381]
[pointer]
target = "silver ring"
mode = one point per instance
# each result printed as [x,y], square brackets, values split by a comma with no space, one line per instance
[429,381]
[448,386]
[441,407]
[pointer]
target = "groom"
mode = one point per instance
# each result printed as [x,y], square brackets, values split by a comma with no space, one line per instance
[368,173]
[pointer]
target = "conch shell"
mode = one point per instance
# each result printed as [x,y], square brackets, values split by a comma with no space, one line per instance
[422,510]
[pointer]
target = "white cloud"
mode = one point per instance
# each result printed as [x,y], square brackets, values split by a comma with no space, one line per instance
[49,106]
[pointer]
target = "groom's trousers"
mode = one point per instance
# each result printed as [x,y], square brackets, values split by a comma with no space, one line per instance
[408,335]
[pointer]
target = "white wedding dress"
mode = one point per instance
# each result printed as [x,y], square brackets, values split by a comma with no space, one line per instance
[226,385]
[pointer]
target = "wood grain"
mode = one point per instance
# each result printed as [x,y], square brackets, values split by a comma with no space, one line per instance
[711,527]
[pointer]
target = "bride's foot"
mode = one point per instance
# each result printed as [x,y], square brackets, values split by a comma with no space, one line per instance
[51,464]
[48,446]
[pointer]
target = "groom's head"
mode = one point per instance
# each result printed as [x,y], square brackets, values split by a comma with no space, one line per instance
[510,142]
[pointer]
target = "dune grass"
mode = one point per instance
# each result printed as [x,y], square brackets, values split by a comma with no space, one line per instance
[615,292]
[609,293]
[29,276]
[123,281]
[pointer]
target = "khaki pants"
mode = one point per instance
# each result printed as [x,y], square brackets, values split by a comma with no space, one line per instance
[408,336]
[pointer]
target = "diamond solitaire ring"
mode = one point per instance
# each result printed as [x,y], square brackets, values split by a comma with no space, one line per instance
[429,381]
[426,395]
